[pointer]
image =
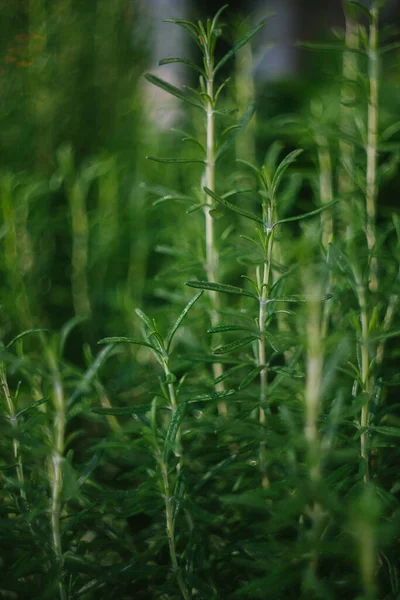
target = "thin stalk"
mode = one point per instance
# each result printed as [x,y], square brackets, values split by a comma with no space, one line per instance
[57,459]
[313,386]
[174,405]
[262,315]
[211,250]
[312,399]
[371,193]
[14,424]
[366,380]
[326,196]
[168,497]
[325,188]
[350,74]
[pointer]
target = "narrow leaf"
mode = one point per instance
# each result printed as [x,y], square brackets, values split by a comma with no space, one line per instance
[288,371]
[23,334]
[236,209]
[223,328]
[217,16]
[214,470]
[211,396]
[122,410]
[90,373]
[32,405]
[235,130]
[361,8]
[175,160]
[308,214]
[242,42]
[250,376]
[235,345]
[299,298]
[171,89]
[280,171]
[126,340]
[228,372]
[385,430]
[173,429]
[181,317]
[189,27]
[168,61]
[219,287]
[273,342]
[66,330]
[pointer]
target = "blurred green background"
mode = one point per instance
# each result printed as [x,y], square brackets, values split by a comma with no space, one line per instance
[79,234]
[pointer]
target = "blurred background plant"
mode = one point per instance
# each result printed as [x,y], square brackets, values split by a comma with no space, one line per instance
[261,459]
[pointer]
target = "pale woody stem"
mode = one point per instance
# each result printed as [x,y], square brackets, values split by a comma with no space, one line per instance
[313,385]
[57,458]
[325,186]
[261,351]
[372,144]
[211,251]
[350,73]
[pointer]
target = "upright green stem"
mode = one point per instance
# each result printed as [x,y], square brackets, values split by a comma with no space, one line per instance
[325,188]
[211,251]
[312,409]
[14,424]
[57,459]
[371,193]
[326,196]
[262,315]
[168,497]
[350,74]
[366,381]
[313,385]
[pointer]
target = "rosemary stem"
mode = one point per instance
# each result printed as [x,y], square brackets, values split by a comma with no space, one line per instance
[211,251]
[371,193]
[14,424]
[57,459]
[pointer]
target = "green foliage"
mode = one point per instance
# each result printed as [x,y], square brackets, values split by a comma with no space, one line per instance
[241,442]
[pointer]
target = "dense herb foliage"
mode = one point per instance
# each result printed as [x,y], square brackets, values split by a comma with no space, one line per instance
[199,363]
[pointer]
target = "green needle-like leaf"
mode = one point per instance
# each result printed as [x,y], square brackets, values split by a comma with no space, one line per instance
[23,334]
[171,89]
[242,42]
[227,348]
[188,63]
[219,287]
[250,377]
[173,429]
[306,215]
[240,211]
[176,160]
[180,319]
[126,340]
